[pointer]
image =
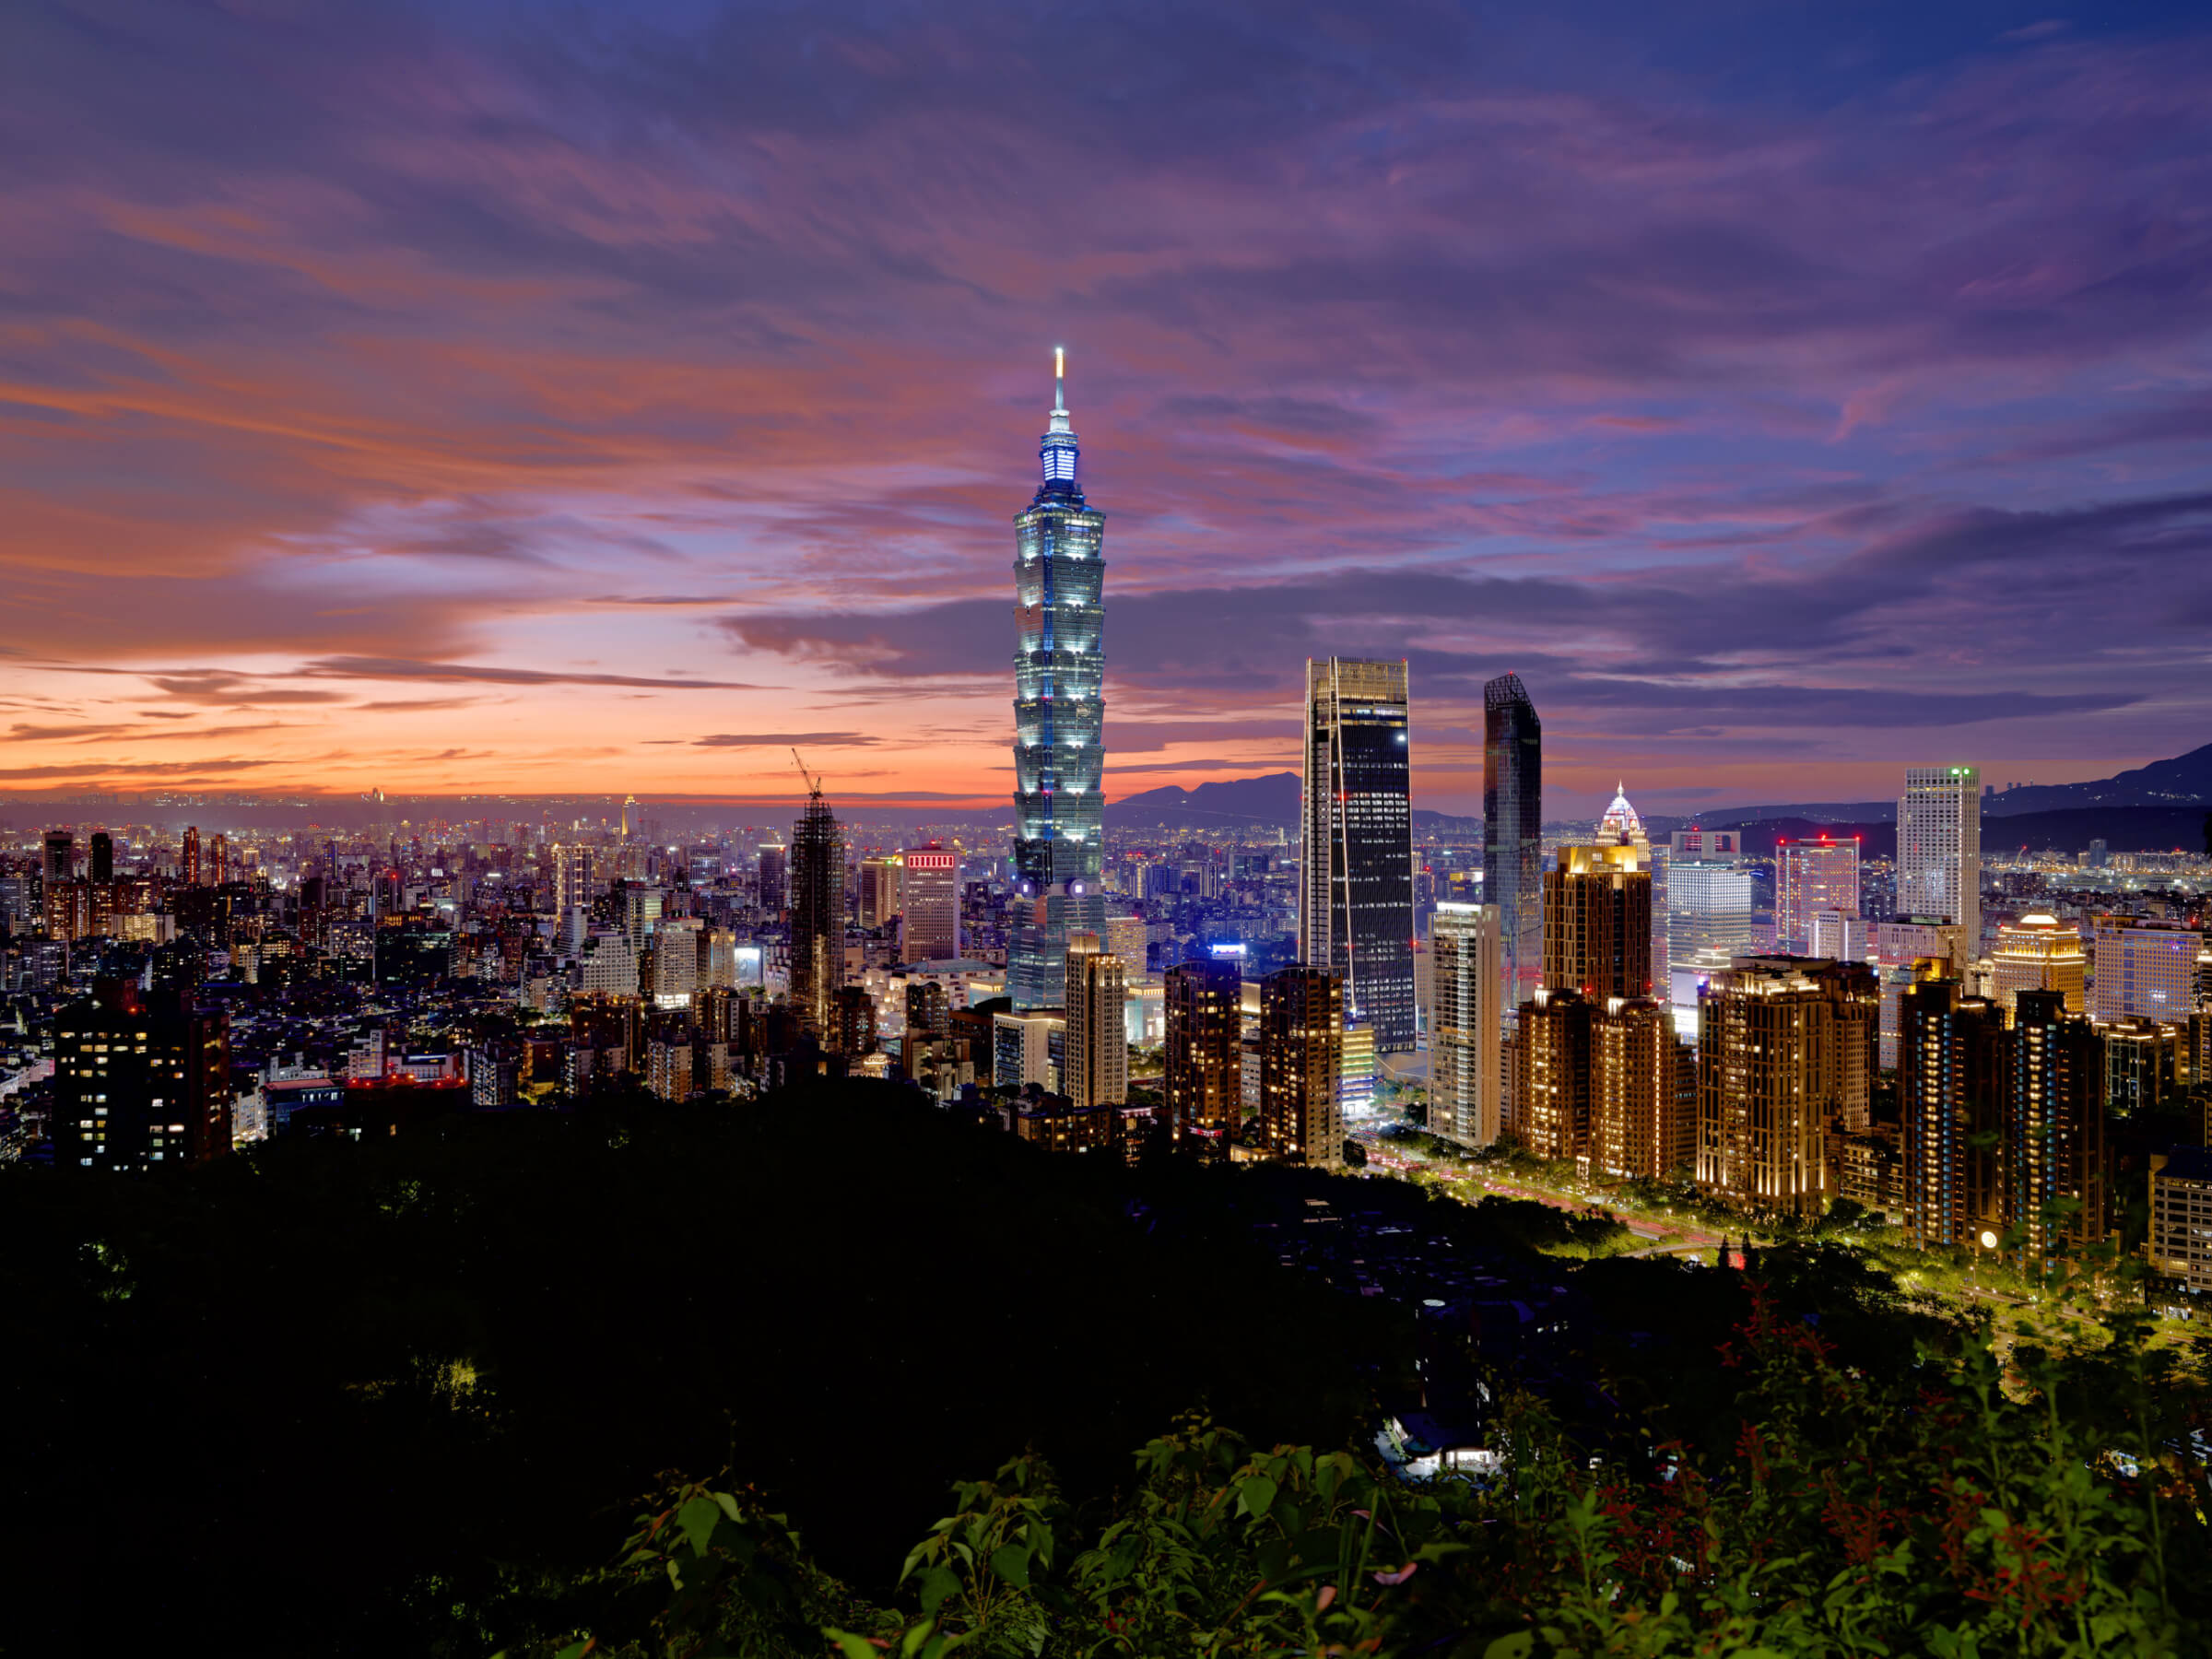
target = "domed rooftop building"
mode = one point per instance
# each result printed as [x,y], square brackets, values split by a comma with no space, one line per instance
[1621,827]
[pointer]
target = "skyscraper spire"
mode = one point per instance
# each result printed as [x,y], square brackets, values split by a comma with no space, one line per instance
[1057,448]
[1059,709]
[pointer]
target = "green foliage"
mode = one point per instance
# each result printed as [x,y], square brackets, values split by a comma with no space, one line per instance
[1846,1517]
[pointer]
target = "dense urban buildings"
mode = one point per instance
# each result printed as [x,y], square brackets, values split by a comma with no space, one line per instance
[1356,904]
[1059,713]
[1512,848]
[2038,953]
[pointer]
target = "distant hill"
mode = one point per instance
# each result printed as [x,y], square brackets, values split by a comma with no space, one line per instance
[2184,780]
[1267,800]
[2179,781]
[2122,829]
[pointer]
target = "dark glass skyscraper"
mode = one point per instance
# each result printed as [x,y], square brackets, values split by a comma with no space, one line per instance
[817,915]
[1059,714]
[1513,826]
[1355,915]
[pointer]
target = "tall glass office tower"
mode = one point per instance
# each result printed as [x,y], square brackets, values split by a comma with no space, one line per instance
[1355,915]
[1059,714]
[1513,825]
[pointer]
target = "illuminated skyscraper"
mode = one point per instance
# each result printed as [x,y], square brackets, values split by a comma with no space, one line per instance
[1464,1063]
[218,860]
[1355,913]
[1939,847]
[190,870]
[1059,713]
[817,915]
[1811,876]
[61,855]
[1512,821]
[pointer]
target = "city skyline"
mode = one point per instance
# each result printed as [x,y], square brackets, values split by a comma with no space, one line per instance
[1784,402]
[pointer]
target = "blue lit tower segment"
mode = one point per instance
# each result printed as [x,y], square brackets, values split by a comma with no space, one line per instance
[1059,713]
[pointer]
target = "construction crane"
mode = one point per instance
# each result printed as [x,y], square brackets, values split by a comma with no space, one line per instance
[813,782]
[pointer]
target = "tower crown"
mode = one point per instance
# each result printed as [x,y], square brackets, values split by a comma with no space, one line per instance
[1057,449]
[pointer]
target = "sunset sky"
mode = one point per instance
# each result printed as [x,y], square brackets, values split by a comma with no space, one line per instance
[558,397]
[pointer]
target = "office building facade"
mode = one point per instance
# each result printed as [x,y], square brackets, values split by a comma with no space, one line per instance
[929,928]
[1939,847]
[1597,923]
[1356,894]
[1810,878]
[2144,968]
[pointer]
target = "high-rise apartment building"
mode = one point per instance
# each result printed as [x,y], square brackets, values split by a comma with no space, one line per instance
[1059,713]
[1464,1060]
[1642,1105]
[2056,1166]
[573,877]
[817,915]
[1786,1046]
[929,928]
[1952,1092]
[1355,915]
[2038,953]
[2143,967]
[879,882]
[190,864]
[1811,876]
[2180,1246]
[1512,821]
[103,857]
[1302,1047]
[1096,1068]
[1621,825]
[1204,1057]
[137,1084]
[1597,923]
[218,860]
[1939,847]
[1550,1059]
[60,863]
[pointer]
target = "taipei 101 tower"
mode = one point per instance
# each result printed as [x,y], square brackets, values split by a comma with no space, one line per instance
[1059,715]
